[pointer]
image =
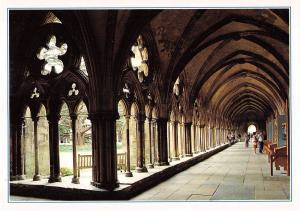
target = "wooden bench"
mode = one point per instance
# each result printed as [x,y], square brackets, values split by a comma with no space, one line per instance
[121,161]
[276,155]
[269,148]
[279,157]
[86,161]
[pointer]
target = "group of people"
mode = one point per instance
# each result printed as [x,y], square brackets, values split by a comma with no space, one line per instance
[231,138]
[257,139]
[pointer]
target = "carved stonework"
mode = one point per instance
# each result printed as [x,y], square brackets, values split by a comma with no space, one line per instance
[35,93]
[73,90]
[50,55]
[140,59]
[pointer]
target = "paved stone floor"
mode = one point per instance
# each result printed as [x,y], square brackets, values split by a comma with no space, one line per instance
[233,174]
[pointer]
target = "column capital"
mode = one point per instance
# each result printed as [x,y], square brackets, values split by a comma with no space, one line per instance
[35,118]
[17,121]
[73,116]
[149,118]
[53,117]
[188,124]
[141,117]
[104,115]
[162,119]
[173,122]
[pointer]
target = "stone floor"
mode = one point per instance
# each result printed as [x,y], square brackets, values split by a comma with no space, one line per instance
[233,174]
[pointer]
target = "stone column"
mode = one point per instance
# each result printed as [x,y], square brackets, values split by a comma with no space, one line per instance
[193,138]
[54,148]
[36,176]
[207,137]
[182,139]
[162,142]
[128,172]
[175,141]
[198,138]
[201,137]
[104,150]
[154,135]
[13,152]
[140,144]
[169,140]
[150,165]
[187,134]
[19,169]
[75,178]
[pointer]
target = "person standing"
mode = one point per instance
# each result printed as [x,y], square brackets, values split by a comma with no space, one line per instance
[260,142]
[247,137]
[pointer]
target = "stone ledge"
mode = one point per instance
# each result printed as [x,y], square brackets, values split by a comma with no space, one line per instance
[61,193]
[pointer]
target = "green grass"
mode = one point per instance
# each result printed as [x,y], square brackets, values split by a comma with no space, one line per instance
[82,148]
[65,171]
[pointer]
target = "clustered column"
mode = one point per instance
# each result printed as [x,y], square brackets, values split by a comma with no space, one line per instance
[17,171]
[187,132]
[162,142]
[128,172]
[140,144]
[75,178]
[155,138]
[54,148]
[175,141]
[104,150]
[150,165]
[36,176]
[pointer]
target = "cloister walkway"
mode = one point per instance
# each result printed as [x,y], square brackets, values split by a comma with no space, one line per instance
[233,174]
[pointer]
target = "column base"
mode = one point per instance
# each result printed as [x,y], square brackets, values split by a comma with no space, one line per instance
[128,174]
[54,179]
[21,177]
[188,155]
[162,163]
[175,158]
[13,178]
[106,186]
[76,180]
[141,169]
[150,166]
[36,177]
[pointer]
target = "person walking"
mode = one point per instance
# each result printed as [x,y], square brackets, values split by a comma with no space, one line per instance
[254,140]
[247,139]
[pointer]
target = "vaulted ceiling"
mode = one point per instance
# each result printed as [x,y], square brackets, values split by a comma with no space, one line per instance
[233,61]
